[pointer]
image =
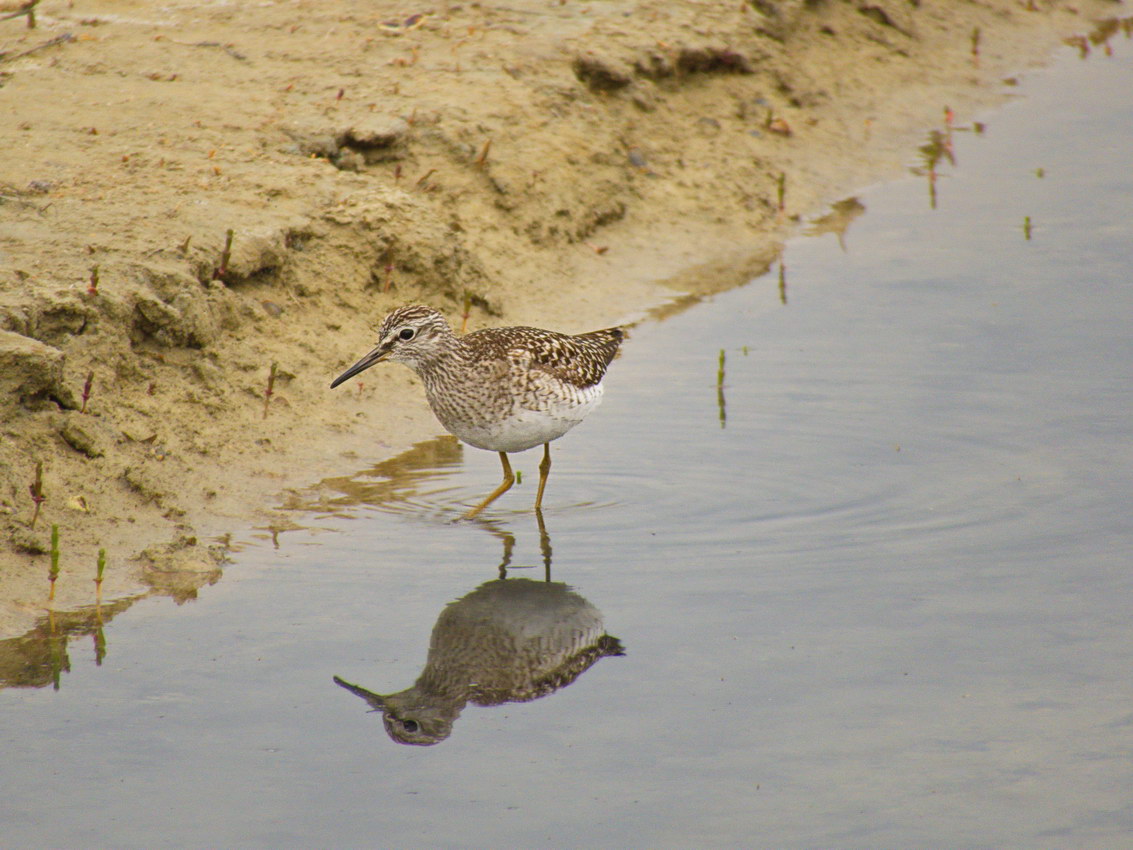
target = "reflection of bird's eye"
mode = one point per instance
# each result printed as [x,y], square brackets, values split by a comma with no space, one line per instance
[406,334]
[410,725]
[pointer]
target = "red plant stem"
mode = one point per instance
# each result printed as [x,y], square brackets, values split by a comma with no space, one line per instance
[86,391]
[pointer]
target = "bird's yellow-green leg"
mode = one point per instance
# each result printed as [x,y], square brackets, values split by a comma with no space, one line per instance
[544,471]
[505,485]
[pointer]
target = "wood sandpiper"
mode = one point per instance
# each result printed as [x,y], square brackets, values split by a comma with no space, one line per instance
[500,389]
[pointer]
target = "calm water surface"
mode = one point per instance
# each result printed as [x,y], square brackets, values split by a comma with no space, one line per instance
[873,591]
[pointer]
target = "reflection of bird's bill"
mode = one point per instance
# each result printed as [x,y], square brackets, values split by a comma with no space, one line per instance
[376,700]
[362,365]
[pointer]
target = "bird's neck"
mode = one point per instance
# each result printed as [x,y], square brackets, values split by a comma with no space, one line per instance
[448,356]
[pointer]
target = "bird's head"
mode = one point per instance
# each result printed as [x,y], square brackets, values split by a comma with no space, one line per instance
[409,335]
[412,716]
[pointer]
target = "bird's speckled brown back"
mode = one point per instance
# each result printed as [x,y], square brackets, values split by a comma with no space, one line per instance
[580,360]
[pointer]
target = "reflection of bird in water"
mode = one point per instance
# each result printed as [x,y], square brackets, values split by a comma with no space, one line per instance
[838,220]
[501,389]
[509,640]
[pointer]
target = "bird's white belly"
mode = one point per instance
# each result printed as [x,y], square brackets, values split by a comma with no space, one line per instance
[524,428]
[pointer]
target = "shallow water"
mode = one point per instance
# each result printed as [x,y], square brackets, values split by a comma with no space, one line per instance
[874,590]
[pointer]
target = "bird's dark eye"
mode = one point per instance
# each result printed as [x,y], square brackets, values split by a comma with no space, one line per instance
[410,725]
[406,334]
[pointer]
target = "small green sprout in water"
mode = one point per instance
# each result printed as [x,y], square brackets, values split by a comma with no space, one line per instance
[53,574]
[1027,228]
[933,152]
[519,476]
[1040,173]
[98,574]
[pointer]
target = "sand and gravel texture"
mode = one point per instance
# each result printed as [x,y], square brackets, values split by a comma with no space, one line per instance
[562,164]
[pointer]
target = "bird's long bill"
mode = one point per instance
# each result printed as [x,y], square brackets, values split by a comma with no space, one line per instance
[362,365]
[376,700]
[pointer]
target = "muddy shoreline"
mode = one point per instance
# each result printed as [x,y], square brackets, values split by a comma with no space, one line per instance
[549,164]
